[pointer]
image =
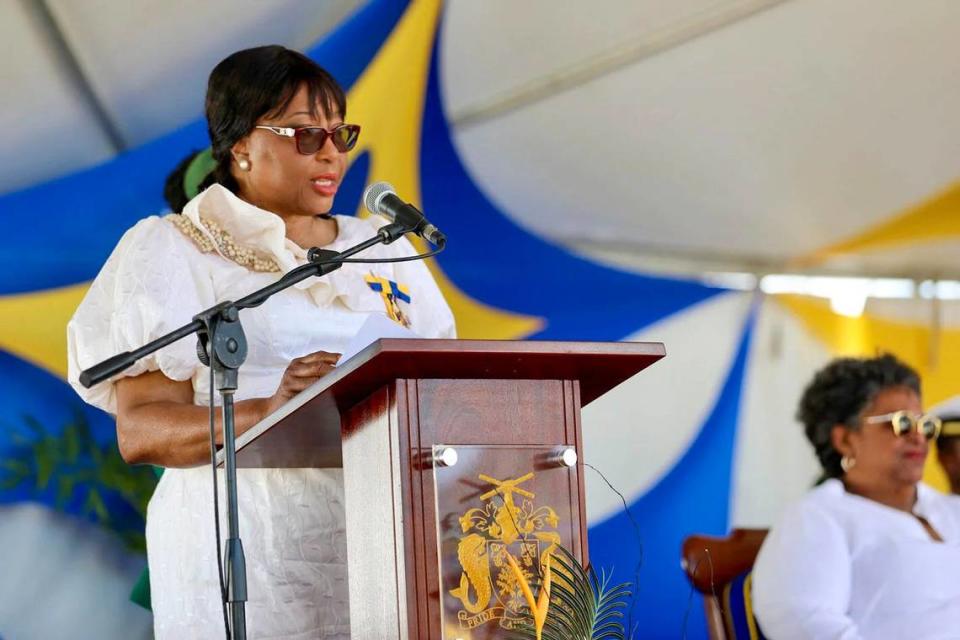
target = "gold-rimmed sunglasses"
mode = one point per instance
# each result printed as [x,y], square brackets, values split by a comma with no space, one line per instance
[903,422]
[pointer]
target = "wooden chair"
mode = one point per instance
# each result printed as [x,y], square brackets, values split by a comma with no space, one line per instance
[719,569]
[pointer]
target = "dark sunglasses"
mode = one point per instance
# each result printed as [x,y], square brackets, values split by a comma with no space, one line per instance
[903,423]
[311,139]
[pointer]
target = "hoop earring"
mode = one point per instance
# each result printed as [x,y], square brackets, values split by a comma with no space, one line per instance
[847,463]
[244,164]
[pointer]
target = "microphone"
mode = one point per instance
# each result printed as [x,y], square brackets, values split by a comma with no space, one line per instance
[380,198]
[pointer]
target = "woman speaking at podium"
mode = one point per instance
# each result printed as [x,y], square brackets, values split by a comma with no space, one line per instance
[279,142]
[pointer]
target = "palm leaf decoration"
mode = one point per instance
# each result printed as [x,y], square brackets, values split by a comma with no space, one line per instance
[582,605]
[76,474]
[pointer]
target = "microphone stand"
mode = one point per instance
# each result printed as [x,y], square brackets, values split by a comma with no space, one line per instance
[222,345]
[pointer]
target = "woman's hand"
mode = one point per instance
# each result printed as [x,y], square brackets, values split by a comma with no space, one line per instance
[300,374]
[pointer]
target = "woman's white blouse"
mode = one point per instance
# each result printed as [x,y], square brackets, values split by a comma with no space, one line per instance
[292,520]
[839,566]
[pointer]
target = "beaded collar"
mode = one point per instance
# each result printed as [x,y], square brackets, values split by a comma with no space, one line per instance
[218,221]
[216,238]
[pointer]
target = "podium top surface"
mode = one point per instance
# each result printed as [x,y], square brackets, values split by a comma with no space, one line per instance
[598,366]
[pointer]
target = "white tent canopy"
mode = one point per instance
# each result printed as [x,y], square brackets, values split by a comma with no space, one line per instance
[710,134]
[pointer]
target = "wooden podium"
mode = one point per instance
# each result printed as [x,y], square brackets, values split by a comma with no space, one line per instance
[425,538]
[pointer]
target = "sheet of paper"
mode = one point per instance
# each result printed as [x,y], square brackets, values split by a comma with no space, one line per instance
[376,326]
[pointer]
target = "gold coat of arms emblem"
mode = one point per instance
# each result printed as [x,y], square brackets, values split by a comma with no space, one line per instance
[508,523]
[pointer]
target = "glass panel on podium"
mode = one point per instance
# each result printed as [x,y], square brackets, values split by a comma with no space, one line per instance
[493,501]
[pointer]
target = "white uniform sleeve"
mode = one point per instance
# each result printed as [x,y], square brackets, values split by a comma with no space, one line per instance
[802,578]
[148,287]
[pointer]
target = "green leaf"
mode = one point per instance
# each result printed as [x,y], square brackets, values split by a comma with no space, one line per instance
[16,467]
[72,459]
[45,465]
[64,491]
[579,611]
[554,630]
[71,443]
[604,629]
[95,504]
[10,483]
[34,425]
[583,605]
[561,614]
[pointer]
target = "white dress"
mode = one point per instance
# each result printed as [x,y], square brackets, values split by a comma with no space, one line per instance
[291,521]
[839,566]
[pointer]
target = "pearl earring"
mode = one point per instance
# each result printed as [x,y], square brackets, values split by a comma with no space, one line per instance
[244,164]
[847,462]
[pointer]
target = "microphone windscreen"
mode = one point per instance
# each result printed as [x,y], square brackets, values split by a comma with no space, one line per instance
[372,195]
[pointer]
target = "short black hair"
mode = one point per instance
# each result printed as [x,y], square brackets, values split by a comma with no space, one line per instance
[840,392]
[253,83]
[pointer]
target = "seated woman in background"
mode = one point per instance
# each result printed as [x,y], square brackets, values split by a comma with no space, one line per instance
[871,552]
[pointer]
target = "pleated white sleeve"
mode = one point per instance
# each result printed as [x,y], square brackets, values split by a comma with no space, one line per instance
[148,287]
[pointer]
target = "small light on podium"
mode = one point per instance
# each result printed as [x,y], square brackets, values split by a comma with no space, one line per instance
[566,457]
[444,457]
